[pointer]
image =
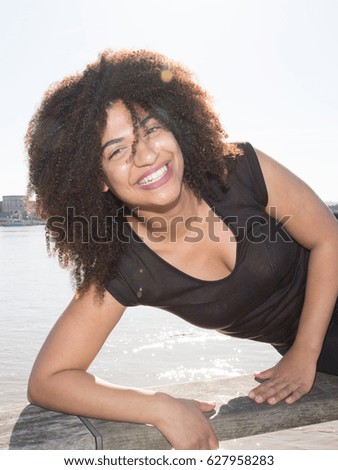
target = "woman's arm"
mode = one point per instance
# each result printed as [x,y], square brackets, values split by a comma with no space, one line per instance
[59,379]
[312,225]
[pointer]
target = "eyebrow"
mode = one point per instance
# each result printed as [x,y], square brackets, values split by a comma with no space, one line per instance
[120,139]
[146,119]
[112,142]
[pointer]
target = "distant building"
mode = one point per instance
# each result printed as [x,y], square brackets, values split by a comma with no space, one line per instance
[14,205]
[18,210]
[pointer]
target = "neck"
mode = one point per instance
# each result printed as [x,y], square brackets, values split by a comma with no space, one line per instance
[167,221]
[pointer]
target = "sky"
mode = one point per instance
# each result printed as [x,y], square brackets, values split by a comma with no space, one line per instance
[271,67]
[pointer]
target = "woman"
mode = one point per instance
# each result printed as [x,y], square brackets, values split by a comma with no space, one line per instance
[147,204]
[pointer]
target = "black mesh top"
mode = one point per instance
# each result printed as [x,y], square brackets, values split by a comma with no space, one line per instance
[263,296]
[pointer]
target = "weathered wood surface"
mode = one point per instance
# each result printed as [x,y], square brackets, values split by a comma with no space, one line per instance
[236,416]
[31,427]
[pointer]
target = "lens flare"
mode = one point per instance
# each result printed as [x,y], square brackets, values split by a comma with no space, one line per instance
[166,75]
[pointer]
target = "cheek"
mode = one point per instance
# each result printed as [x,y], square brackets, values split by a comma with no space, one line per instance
[180,159]
[116,179]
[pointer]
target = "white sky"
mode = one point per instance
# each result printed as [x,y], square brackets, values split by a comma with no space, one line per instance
[271,65]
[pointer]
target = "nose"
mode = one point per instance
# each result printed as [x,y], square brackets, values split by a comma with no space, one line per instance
[146,153]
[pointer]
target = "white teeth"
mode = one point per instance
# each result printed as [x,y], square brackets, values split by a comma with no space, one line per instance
[157,175]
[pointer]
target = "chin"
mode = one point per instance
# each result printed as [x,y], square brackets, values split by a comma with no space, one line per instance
[162,204]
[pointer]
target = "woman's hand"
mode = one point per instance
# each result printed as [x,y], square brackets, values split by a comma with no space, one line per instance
[290,379]
[184,425]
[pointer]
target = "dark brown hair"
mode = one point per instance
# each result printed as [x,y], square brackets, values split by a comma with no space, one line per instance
[63,142]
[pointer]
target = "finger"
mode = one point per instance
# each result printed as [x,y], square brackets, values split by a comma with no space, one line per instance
[296,395]
[281,394]
[260,390]
[270,391]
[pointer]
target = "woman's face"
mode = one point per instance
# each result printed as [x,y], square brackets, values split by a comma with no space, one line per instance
[151,179]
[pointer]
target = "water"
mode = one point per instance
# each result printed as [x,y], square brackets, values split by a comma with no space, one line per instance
[148,346]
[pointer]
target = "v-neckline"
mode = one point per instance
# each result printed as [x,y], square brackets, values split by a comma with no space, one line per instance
[141,242]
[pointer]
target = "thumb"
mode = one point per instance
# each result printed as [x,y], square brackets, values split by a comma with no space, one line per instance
[205,406]
[265,374]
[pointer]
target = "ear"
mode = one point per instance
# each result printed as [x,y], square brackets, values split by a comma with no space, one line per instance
[104,188]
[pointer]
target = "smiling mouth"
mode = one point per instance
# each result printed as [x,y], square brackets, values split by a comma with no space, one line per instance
[153,177]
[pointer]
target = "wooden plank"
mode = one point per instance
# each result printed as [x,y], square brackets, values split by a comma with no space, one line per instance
[236,416]
[31,427]
[241,417]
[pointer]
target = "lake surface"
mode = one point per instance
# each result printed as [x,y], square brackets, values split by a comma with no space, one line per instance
[148,346]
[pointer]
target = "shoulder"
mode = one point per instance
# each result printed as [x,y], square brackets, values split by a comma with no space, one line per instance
[247,176]
[279,182]
[282,184]
[309,220]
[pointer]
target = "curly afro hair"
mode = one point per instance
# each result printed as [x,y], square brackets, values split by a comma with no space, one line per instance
[63,143]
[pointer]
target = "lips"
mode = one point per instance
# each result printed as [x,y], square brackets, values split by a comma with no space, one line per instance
[156,176]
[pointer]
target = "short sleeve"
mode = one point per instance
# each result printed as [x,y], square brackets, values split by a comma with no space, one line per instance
[125,284]
[117,289]
[249,174]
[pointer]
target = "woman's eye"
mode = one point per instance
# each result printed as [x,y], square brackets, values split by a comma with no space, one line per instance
[116,153]
[152,130]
